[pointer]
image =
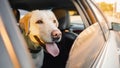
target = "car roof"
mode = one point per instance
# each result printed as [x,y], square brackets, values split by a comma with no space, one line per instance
[41,4]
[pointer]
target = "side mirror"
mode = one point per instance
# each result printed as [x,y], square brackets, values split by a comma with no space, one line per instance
[115,26]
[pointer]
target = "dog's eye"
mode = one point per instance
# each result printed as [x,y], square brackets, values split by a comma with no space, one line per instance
[54,21]
[39,22]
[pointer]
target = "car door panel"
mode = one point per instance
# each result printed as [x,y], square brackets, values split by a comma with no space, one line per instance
[4,57]
[110,55]
[12,38]
[86,47]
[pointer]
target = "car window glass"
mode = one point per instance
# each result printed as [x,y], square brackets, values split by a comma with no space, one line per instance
[76,23]
[22,12]
[101,19]
[75,18]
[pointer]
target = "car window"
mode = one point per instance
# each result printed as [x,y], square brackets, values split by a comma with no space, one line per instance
[76,23]
[22,12]
[75,18]
[101,20]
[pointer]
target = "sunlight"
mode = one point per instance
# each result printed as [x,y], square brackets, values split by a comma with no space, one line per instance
[107,1]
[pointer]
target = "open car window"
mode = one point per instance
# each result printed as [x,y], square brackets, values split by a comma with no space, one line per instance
[76,23]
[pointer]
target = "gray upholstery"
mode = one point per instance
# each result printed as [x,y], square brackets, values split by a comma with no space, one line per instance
[63,18]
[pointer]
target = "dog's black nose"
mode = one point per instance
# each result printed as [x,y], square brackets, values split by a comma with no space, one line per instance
[56,35]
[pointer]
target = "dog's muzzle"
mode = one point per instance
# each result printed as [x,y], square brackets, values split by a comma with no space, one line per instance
[56,35]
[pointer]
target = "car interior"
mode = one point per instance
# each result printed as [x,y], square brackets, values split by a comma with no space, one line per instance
[86,45]
[66,42]
[69,33]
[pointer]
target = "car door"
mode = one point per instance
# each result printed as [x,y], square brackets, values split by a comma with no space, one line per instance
[13,51]
[88,44]
[109,57]
[98,36]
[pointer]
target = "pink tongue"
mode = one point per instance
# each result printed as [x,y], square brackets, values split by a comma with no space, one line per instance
[52,49]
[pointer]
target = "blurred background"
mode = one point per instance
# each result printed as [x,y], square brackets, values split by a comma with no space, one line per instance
[111,9]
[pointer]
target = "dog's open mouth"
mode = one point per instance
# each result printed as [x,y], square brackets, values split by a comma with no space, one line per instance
[51,47]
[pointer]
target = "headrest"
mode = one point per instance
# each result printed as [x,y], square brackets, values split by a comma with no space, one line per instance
[63,18]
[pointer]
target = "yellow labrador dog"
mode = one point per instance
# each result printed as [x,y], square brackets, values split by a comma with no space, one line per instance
[39,28]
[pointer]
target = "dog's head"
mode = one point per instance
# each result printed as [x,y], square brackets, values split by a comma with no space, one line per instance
[41,26]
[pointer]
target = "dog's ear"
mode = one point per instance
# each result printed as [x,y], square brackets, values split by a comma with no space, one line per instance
[25,21]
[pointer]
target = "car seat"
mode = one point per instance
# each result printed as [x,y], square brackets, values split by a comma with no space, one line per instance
[16,14]
[65,43]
